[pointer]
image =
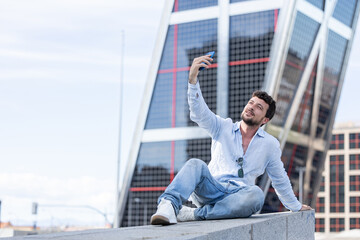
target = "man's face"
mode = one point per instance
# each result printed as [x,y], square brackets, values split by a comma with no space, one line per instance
[254,112]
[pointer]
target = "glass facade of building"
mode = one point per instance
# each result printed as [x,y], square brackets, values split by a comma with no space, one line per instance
[337,224]
[354,223]
[337,141]
[320,225]
[250,35]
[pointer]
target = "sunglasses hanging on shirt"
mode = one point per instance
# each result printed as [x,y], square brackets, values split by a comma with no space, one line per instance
[241,170]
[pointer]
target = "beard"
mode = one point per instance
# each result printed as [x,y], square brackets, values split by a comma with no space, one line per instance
[249,121]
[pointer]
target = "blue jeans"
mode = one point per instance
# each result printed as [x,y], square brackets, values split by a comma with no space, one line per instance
[215,200]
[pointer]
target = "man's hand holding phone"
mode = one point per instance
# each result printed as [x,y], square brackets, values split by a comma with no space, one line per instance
[199,64]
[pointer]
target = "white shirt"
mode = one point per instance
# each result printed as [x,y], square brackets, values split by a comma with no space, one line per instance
[262,154]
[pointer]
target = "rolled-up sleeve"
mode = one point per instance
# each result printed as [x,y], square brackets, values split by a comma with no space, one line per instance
[200,112]
[281,182]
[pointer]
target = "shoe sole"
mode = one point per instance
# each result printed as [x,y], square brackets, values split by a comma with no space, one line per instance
[160,220]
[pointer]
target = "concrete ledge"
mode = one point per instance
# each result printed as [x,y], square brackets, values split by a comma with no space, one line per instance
[274,226]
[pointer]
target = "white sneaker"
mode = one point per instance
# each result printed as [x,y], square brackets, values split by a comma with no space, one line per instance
[165,214]
[186,214]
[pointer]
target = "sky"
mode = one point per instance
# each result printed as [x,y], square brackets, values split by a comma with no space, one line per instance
[60,70]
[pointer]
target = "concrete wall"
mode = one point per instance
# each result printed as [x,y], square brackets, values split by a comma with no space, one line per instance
[275,226]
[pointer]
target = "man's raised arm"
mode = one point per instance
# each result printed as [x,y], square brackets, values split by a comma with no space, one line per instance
[199,111]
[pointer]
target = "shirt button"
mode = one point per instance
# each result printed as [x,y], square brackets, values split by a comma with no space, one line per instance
[197,95]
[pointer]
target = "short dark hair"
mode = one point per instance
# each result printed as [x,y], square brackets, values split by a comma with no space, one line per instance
[269,100]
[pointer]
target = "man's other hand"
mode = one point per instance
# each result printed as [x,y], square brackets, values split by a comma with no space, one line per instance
[305,208]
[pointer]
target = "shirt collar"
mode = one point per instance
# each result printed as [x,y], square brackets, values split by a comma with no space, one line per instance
[259,132]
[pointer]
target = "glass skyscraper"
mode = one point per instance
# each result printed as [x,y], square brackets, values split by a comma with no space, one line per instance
[296,50]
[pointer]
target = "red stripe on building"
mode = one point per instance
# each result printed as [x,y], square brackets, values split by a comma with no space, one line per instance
[249,61]
[171,70]
[337,181]
[292,160]
[215,65]
[173,119]
[294,65]
[174,77]
[276,13]
[172,164]
[331,81]
[182,69]
[176,7]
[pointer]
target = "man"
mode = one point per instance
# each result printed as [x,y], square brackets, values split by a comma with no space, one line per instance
[240,152]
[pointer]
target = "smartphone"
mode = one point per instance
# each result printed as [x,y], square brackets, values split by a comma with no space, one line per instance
[211,55]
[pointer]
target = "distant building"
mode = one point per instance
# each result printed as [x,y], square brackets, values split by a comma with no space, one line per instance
[6,225]
[9,230]
[296,50]
[338,203]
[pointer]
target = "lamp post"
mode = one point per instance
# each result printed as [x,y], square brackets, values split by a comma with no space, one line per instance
[34,211]
[117,204]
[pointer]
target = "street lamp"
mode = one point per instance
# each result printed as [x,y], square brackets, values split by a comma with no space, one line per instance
[117,192]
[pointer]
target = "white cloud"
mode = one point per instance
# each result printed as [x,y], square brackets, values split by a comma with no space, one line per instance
[18,191]
[74,68]
[6,39]
[40,34]
[75,14]
[73,189]
[95,4]
[99,58]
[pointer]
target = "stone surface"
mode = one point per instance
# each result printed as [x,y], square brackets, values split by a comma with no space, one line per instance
[301,226]
[275,226]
